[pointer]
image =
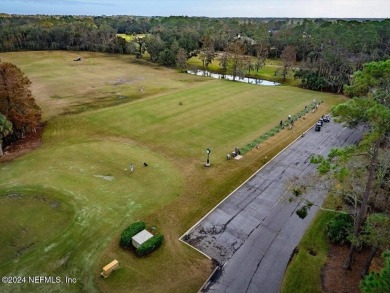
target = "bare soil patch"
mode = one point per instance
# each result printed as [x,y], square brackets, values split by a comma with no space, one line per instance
[23,146]
[337,280]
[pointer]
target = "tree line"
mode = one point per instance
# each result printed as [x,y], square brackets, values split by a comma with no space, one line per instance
[328,51]
[358,177]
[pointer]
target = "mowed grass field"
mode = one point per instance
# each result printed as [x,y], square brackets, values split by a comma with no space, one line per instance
[64,205]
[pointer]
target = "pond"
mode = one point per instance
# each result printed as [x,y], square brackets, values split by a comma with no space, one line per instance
[230,77]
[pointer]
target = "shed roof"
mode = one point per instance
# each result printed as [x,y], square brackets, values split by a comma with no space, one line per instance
[142,236]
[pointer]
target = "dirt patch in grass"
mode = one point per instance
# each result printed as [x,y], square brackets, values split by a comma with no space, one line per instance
[335,278]
[23,146]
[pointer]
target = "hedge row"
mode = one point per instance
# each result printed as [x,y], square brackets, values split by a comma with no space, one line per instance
[150,245]
[129,232]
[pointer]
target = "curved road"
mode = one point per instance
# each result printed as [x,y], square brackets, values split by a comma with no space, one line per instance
[253,232]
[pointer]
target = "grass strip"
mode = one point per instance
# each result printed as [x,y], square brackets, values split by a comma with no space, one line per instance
[304,270]
[303,273]
[276,129]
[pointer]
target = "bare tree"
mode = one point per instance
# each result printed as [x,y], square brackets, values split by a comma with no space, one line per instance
[288,56]
[207,53]
[237,60]
[181,60]
[224,62]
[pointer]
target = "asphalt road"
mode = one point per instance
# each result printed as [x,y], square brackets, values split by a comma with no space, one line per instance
[253,233]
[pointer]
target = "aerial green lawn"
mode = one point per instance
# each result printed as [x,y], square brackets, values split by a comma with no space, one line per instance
[64,205]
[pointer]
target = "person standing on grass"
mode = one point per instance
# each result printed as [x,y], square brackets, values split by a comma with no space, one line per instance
[131,168]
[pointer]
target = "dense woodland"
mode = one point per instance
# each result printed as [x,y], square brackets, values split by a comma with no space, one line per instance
[327,51]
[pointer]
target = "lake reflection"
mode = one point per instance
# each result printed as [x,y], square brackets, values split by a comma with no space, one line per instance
[230,77]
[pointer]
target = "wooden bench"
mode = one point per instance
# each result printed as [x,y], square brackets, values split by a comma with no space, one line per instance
[108,269]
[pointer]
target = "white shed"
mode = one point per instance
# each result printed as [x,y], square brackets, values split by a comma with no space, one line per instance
[140,238]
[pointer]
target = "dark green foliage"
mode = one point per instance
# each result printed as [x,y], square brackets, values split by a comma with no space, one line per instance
[150,245]
[167,57]
[129,232]
[5,126]
[5,129]
[378,282]
[314,81]
[302,212]
[339,228]
[297,192]
[373,78]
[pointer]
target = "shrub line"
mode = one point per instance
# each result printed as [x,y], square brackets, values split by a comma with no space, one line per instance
[276,129]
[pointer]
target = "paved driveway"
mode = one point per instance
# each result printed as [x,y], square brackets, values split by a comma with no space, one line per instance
[253,233]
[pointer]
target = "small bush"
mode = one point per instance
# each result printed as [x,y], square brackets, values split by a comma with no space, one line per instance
[150,245]
[129,232]
[339,228]
[302,212]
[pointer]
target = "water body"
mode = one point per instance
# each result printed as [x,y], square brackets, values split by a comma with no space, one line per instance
[230,77]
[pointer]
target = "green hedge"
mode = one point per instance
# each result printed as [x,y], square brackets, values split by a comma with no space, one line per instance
[150,245]
[129,232]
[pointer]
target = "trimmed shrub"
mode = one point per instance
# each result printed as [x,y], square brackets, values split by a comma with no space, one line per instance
[339,228]
[129,232]
[150,245]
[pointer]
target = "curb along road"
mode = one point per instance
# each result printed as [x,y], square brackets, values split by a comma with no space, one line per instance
[253,231]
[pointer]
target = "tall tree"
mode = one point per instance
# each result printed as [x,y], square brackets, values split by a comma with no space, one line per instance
[288,56]
[373,80]
[181,60]
[154,46]
[237,60]
[207,53]
[140,45]
[375,116]
[378,282]
[262,51]
[224,62]
[17,103]
[376,234]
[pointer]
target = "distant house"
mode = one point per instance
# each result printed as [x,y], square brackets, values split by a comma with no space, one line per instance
[244,40]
